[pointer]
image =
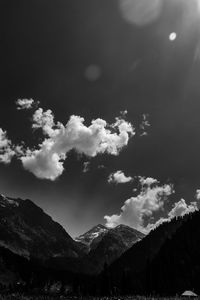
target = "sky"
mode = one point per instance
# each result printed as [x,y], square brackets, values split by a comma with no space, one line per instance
[100,105]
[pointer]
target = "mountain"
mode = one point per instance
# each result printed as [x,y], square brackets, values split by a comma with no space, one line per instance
[112,245]
[107,244]
[27,230]
[132,271]
[91,238]
[177,264]
[16,270]
[102,245]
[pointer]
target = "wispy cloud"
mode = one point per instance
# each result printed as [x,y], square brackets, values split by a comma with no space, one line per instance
[145,124]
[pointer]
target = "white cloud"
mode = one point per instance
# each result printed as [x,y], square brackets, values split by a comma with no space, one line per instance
[119,177]
[47,161]
[24,104]
[198,194]
[6,148]
[147,181]
[150,199]
[45,120]
[135,209]
[43,163]
[179,209]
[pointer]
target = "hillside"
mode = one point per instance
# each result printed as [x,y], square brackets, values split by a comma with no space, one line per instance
[27,230]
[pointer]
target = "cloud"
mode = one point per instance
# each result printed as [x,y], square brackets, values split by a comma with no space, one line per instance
[24,104]
[198,194]
[147,181]
[180,209]
[45,120]
[123,113]
[119,177]
[144,125]
[46,162]
[6,148]
[43,163]
[150,199]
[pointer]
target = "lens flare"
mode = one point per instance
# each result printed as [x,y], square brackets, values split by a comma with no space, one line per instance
[172,36]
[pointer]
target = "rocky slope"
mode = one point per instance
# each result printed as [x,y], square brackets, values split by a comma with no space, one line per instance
[104,245]
[27,230]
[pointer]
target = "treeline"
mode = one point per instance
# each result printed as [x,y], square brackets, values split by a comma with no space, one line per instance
[166,262]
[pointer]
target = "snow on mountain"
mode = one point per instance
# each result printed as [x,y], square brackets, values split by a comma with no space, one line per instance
[6,201]
[93,236]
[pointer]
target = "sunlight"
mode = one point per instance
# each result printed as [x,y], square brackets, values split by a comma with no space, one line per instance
[140,12]
[198,4]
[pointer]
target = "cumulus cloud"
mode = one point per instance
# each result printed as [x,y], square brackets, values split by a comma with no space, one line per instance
[147,181]
[119,177]
[24,104]
[45,120]
[43,163]
[198,194]
[47,160]
[179,209]
[150,199]
[6,148]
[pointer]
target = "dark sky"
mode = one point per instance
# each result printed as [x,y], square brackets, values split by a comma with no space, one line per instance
[46,49]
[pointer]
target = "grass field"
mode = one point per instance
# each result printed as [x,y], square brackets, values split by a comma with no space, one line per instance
[17,296]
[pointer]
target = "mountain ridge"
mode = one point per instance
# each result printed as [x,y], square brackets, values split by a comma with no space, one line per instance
[28,231]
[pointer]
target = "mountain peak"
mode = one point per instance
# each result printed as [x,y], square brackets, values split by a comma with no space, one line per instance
[26,228]
[95,233]
[99,226]
[7,201]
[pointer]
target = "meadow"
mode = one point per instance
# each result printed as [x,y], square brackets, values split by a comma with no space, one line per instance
[18,296]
